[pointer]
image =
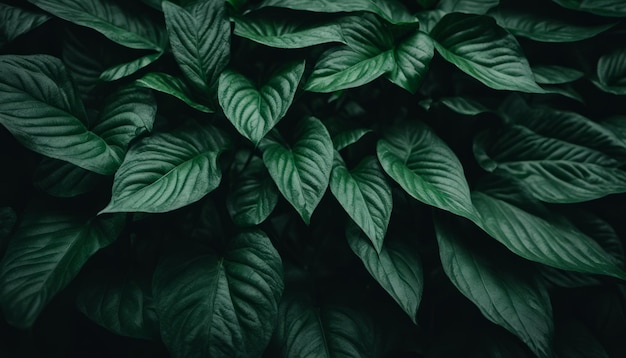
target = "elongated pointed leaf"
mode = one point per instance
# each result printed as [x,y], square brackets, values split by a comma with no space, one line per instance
[46,253]
[479,7]
[611,72]
[43,111]
[15,21]
[550,241]
[128,68]
[425,167]
[412,57]
[545,28]
[63,179]
[200,38]
[365,195]
[219,305]
[304,330]
[614,8]
[346,138]
[397,268]
[168,170]
[485,51]
[173,86]
[465,105]
[552,75]
[506,294]
[255,110]
[119,24]
[301,172]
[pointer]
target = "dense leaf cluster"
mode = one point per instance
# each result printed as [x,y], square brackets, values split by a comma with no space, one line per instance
[296,178]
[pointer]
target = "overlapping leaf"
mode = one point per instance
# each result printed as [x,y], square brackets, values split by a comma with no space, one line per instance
[553,75]
[15,21]
[613,8]
[219,305]
[63,179]
[412,57]
[128,68]
[479,7]
[611,72]
[465,105]
[173,86]
[348,137]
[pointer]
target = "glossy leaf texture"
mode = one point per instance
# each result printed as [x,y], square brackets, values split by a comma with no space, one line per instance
[120,24]
[365,195]
[465,105]
[43,111]
[396,267]
[425,167]
[126,69]
[412,57]
[173,86]
[15,21]
[45,254]
[223,304]
[200,37]
[479,7]
[611,8]
[346,138]
[167,171]
[553,74]
[506,293]
[485,51]
[307,331]
[301,171]
[254,109]
[611,72]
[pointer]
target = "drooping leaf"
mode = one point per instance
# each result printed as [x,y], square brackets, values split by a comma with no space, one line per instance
[613,8]
[611,72]
[485,51]
[128,68]
[255,109]
[553,75]
[119,24]
[397,268]
[302,171]
[167,171]
[464,105]
[365,195]
[412,57]
[544,28]
[425,167]
[173,86]
[479,7]
[200,39]
[15,21]
[45,254]
[346,138]
[219,304]
[63,179]
[505,292]
[41,108]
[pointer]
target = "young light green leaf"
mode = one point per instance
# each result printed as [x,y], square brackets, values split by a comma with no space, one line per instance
[397,268]
[63,179]
[611,72]
[302,171]
[412,57]
[200,39]
[15,21]
[506,293]
[365,195]
[255,110]
[544,28]
[173,86]
[464,105]
[554,75]
[253,195]
[41,108]
[167,171]
[275,29]
[346,138]
[485,51]
[118,23]
[611,8]
[547,240]
[128,68]
[46,253]
[390,10]
[219,304]
[479,7]
[425,167]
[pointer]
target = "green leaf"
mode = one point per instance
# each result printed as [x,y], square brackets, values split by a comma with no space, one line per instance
[302,171]
[412,57]
[365,195]
[611,72]
[425,167]
[397,268]
[167,171]
[129,68]
[255,110]
[219,304]
[41,108]
[612,8]
[253,195]
[346,138]
[304,330]
[485,51]
[119,24]
[544,28]
[200,39]
[550,240]
[506,293]
[464,105]
[553,75]
[63,179]
[46,253]
[275,29]
[173,86]
[390,10]
[15,21]
[479,7]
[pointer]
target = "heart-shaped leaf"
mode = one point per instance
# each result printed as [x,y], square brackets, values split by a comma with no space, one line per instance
[15,21]
[613,8]
[126,69]
[173,86]
[255,110]
[168,170]
[611,72]
[302,171]
[365,195]
[485,51]
[219,304]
